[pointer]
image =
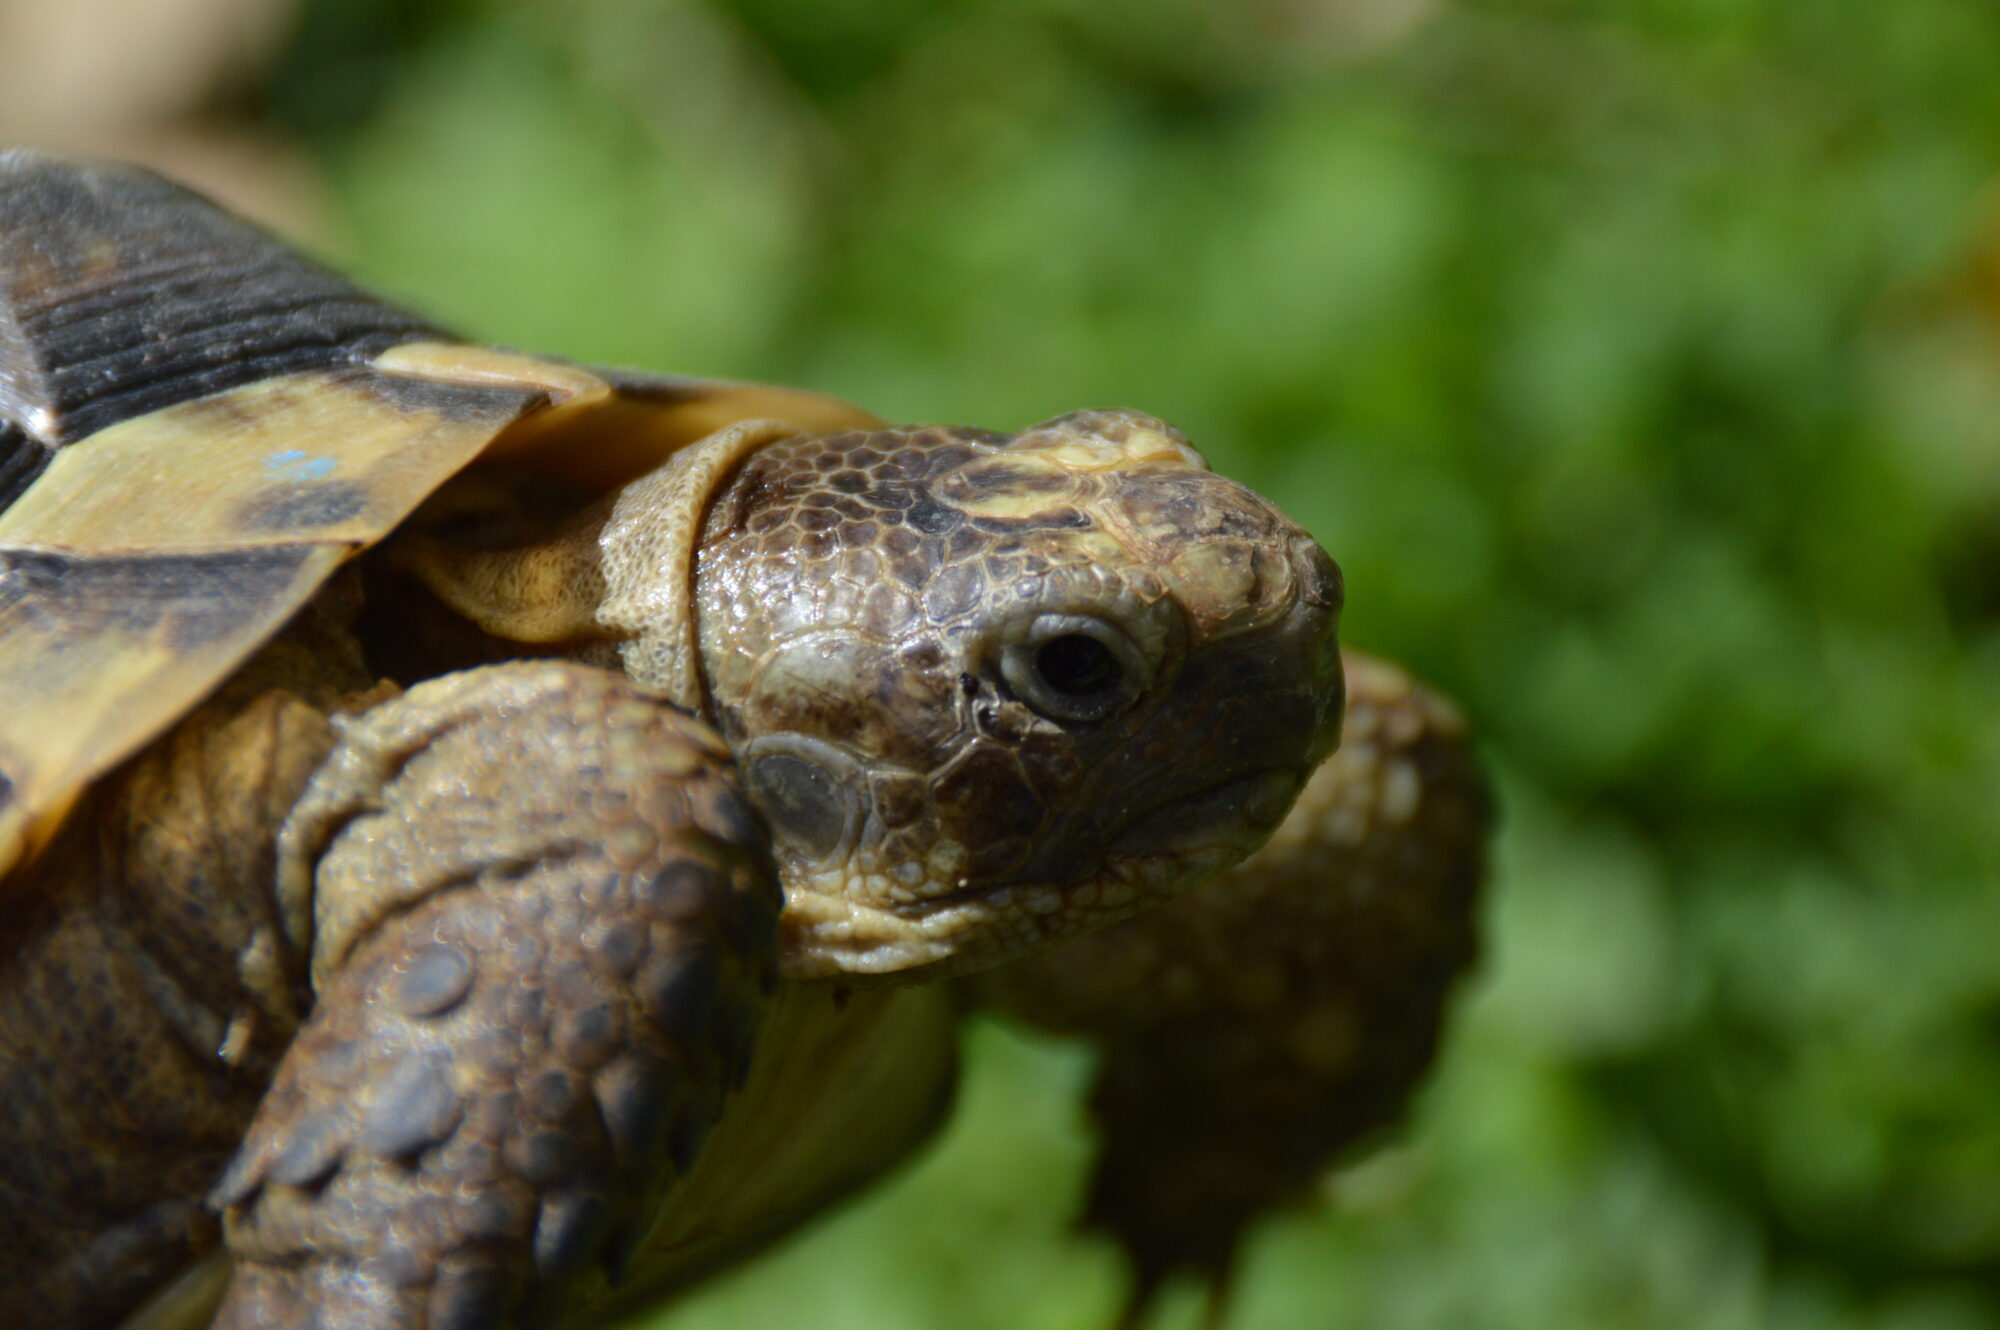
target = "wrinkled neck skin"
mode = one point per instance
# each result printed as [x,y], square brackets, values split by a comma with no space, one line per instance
[994,691]
[988,691]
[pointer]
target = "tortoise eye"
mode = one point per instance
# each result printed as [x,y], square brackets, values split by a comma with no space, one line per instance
[1073,667]
[1077,666]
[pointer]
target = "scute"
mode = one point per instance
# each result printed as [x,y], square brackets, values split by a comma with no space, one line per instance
[135,575]
[198,425]
[121,294]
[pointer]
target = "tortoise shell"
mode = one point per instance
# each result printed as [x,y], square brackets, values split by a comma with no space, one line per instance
[198,426]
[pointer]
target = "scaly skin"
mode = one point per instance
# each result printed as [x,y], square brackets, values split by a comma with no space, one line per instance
[530,1004]
[1256,1027]
[872,607]
[988,692]
[866,631]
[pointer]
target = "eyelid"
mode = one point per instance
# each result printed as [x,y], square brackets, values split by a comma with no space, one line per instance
[1019,672]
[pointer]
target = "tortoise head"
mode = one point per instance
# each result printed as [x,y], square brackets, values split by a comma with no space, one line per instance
[990,691]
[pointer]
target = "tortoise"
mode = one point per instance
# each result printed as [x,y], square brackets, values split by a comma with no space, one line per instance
[487,842]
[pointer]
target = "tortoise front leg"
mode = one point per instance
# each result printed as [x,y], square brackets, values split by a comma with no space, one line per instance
[543,932]
[1255,1027]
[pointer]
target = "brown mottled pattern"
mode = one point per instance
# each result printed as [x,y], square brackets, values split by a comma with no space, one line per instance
[1256,1026]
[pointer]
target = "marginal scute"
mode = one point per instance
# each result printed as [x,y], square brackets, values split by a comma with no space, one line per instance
[140,637]
[609,427]
[146,333]
[122,294]
[321,456]
[150,594]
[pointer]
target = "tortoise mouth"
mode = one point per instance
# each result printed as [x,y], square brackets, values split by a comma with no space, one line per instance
[1250,806]
[1164,846]
[1224,820]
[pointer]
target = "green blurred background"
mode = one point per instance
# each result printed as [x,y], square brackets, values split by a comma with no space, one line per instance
[1640,363]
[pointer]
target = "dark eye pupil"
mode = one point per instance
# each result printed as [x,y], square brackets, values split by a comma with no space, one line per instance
[1077,665]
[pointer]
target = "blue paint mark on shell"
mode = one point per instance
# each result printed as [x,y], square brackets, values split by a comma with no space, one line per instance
[295,464]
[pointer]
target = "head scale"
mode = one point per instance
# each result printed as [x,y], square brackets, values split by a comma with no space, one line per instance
[991,690]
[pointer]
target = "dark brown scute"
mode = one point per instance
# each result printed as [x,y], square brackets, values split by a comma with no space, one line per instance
[121,294]
[21,460]
[185,598]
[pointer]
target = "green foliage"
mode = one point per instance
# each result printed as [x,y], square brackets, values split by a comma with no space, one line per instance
[1639,363]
